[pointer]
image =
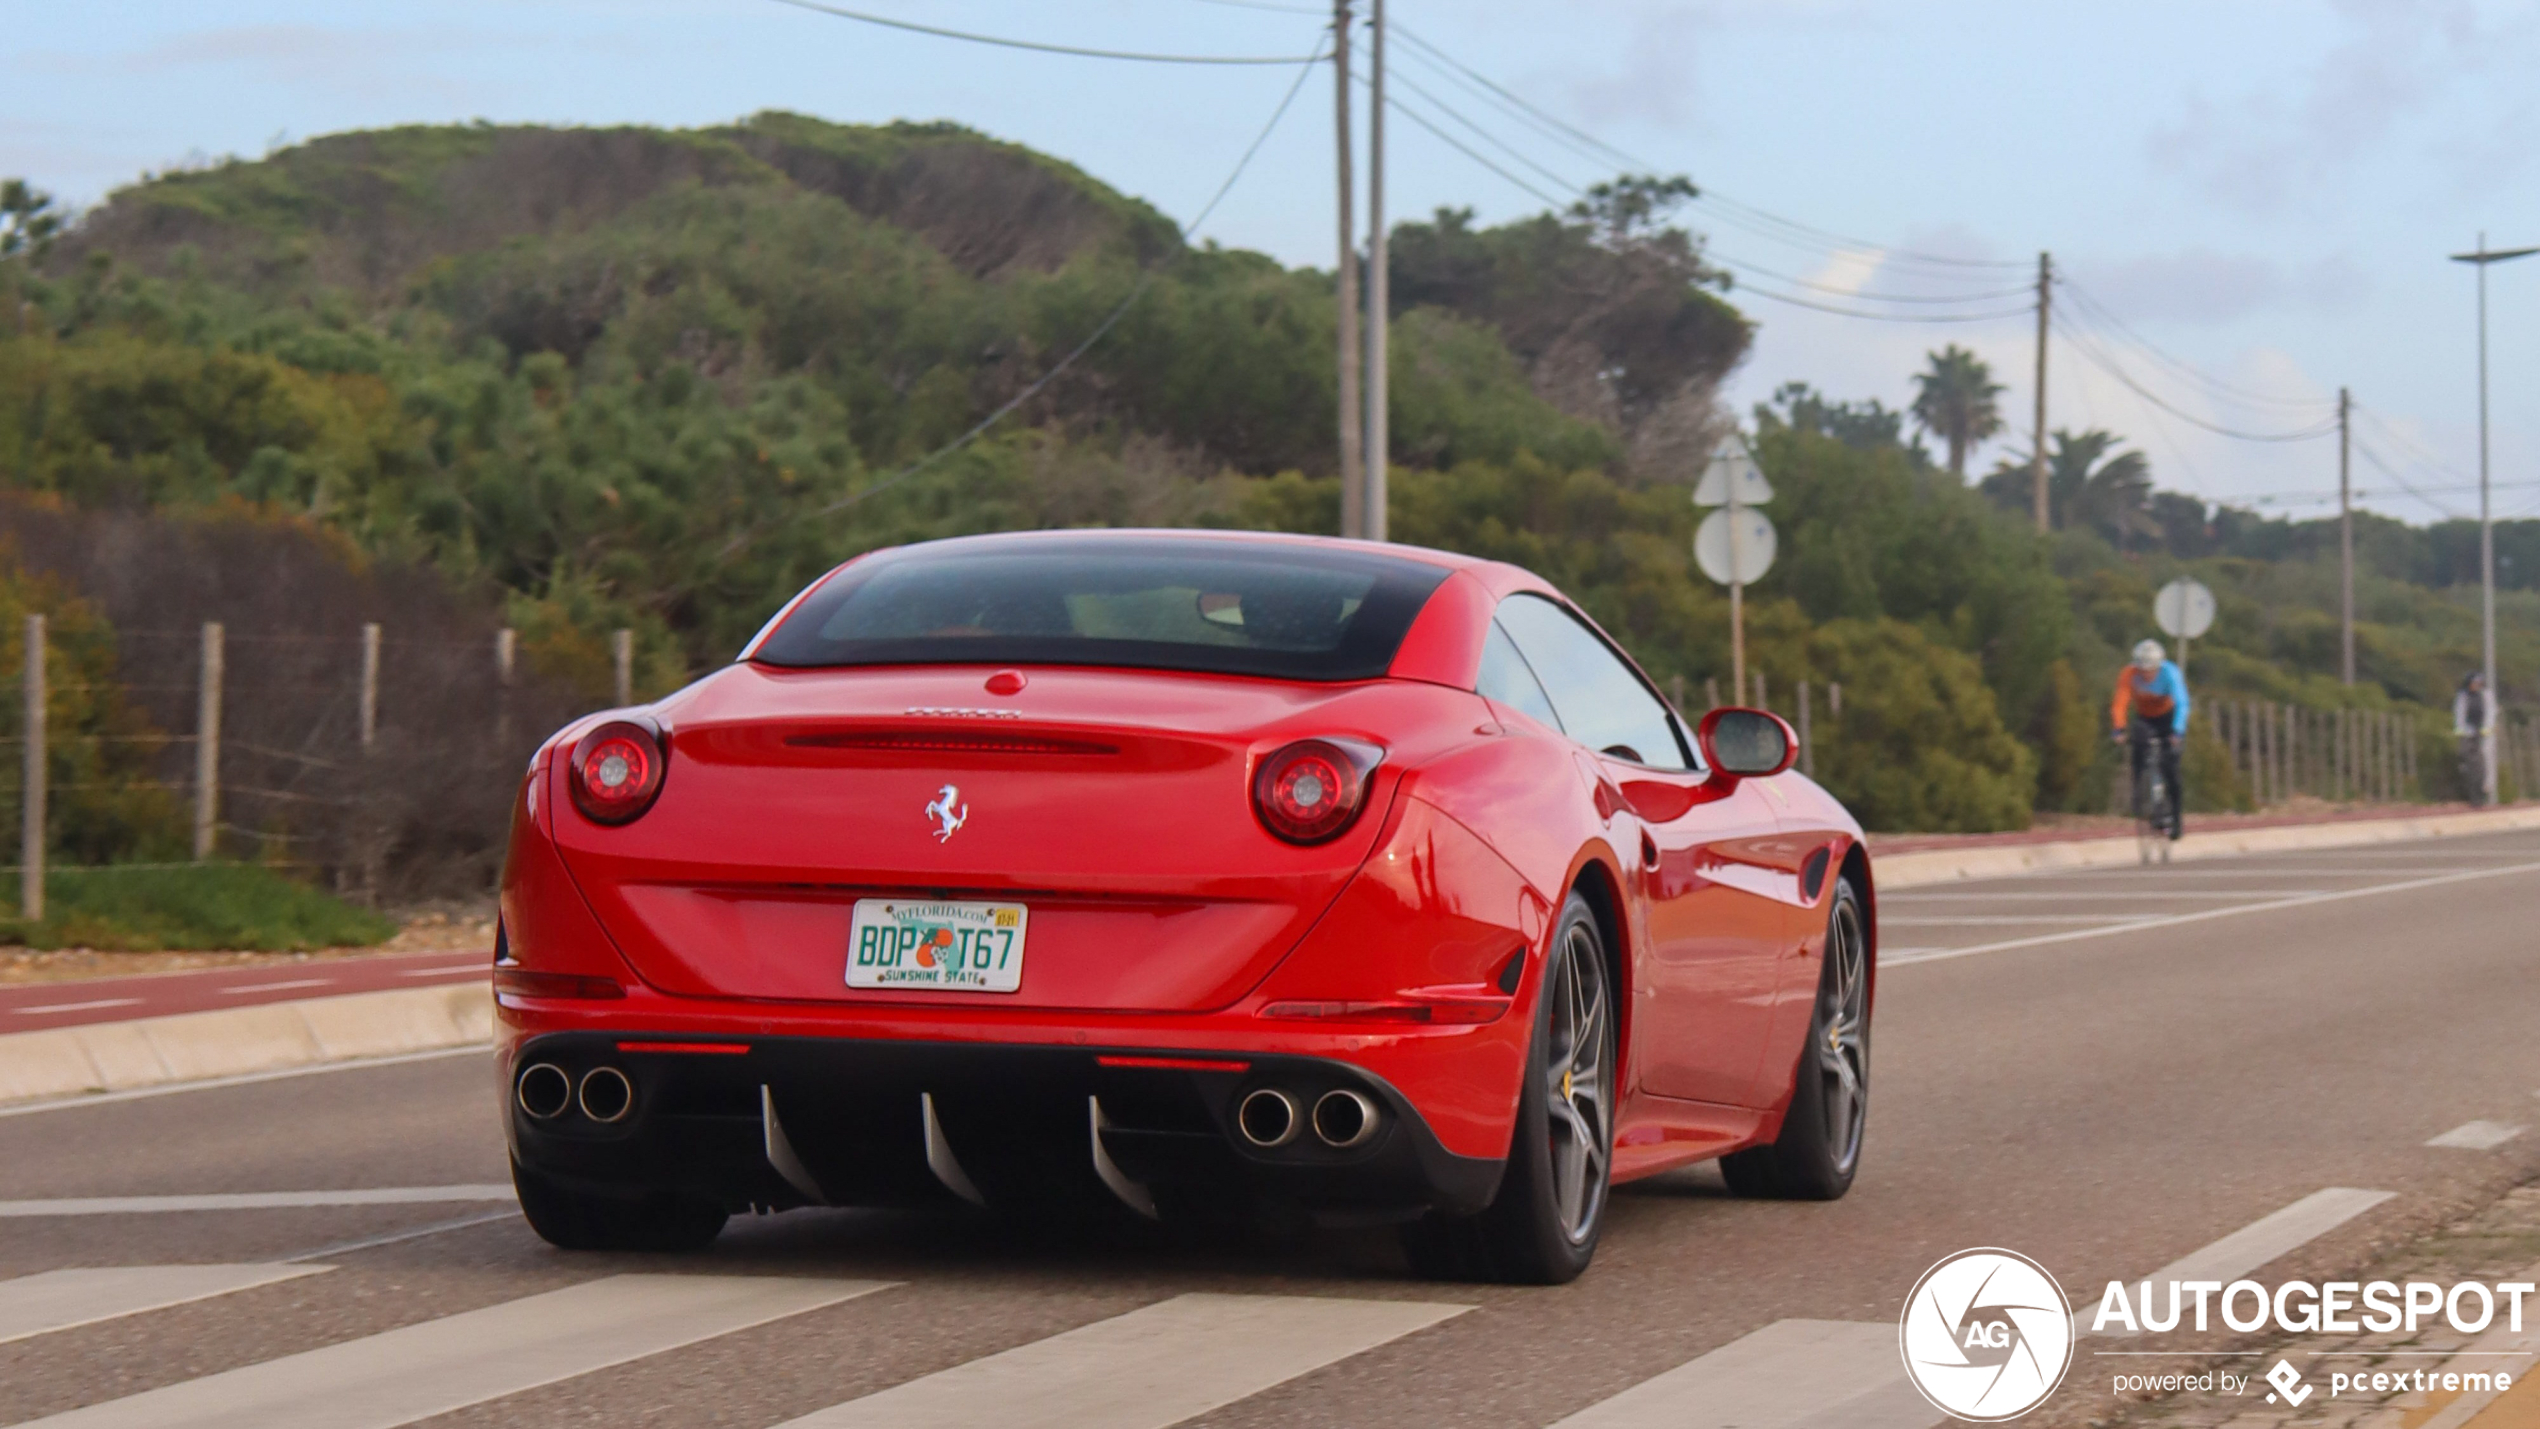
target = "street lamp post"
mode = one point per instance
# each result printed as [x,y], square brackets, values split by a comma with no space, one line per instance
[2487,527]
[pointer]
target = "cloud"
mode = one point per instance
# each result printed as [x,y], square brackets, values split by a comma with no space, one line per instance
[2204,287]
[2287,148]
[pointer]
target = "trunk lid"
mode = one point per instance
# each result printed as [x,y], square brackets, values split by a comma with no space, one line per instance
[1114,805]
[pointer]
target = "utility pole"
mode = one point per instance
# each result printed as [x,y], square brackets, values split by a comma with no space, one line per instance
[2037,456]
[2487,525]
[1737,601]
[1378,290]
[2345,543]
[1353,470]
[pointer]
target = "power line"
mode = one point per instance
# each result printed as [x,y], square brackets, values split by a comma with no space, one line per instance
[1039,47]
[1101,330]
[1707,197]
[2087,347]
[1710,254]
[2100,312]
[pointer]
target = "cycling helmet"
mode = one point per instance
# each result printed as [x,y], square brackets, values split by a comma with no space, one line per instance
[2148,654]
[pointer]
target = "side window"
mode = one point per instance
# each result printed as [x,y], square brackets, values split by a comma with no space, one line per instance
[1602,704]
[1506,679]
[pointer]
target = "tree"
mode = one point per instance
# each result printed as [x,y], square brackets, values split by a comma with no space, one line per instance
[28,220]
[1954,401]
[2090,486]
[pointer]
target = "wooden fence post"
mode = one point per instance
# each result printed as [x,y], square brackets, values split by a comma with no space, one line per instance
[31,807]
[207,746]
[506,644]
[1760,702]
[1834,705]
[370,686]
[1710,693]
[622,647]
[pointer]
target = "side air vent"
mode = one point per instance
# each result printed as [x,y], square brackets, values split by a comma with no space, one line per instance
[963,742]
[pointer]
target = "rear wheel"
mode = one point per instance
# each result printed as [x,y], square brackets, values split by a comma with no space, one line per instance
[1819,1148]
[1542,1227]
[578,1220]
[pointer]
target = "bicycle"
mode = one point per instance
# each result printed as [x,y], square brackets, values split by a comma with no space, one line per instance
[2155,801]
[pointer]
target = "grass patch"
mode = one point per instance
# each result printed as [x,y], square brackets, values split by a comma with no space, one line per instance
[209,906]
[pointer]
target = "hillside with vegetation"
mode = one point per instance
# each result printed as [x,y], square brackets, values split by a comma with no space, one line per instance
[571,380]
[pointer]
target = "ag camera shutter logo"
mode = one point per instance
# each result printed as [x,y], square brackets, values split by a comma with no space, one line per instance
[1986,1335]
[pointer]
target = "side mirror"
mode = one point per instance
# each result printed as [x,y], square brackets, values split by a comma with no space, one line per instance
[1746,744]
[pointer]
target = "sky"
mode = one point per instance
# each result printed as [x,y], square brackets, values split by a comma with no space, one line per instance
[2252,202]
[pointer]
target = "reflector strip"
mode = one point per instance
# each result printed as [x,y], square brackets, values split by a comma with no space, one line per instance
[714,1049]
[1174,1064]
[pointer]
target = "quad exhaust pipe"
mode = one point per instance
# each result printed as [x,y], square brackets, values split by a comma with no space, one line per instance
[1268,1118]
[606,1095]
[544,1091]
[1342,1119]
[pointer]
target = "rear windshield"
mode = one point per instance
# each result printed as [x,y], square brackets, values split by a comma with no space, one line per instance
[1225,607]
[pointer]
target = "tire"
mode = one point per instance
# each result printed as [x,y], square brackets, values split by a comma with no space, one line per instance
[576,1220]
[1542,1226]
[1819,1149]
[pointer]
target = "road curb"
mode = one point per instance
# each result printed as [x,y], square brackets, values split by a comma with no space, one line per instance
[1924,867]
[62,1062]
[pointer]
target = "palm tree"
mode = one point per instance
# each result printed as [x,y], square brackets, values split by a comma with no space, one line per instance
[1954,401]
[2112,496]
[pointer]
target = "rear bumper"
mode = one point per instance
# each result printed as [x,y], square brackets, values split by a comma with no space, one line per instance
[782,1121]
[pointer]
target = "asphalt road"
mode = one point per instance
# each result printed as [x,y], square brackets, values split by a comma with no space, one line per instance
[2105,1071]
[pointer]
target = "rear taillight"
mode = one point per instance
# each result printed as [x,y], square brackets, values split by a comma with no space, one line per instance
[617,771]
[1309,791]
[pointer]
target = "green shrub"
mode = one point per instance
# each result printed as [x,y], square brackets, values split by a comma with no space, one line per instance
[229,906]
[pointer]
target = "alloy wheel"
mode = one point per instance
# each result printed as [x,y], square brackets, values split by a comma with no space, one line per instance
[1843,1051]
[1579,1073]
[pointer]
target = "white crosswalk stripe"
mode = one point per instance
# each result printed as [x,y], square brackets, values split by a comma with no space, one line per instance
[1143,1370]
[1791,1374]
[60,1299]
[255,1200]
[440,1365]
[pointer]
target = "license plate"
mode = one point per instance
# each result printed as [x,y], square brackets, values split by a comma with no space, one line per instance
[958,947]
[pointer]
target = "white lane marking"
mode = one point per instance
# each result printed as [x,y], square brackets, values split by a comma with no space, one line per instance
[2478,1135]
[2117,895]
[373,1242]
[440,1365]
[470,969]
[246,1079]
[2202,915]
[254,1201]
[60,1299]
[2253,1245]
[1995,920]
[276,986]
[1149,1368]
[89,1006]
[1789,1374]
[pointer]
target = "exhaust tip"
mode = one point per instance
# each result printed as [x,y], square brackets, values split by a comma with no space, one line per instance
[544,1091]
[1268,1117]
[1344,1118]
[606,1094]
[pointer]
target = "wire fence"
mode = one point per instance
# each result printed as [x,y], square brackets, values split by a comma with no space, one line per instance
[360,758]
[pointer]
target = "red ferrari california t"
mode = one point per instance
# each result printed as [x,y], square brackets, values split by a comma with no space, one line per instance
[1197,873]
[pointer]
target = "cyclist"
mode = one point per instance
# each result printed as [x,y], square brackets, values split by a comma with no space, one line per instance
[2150,716]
